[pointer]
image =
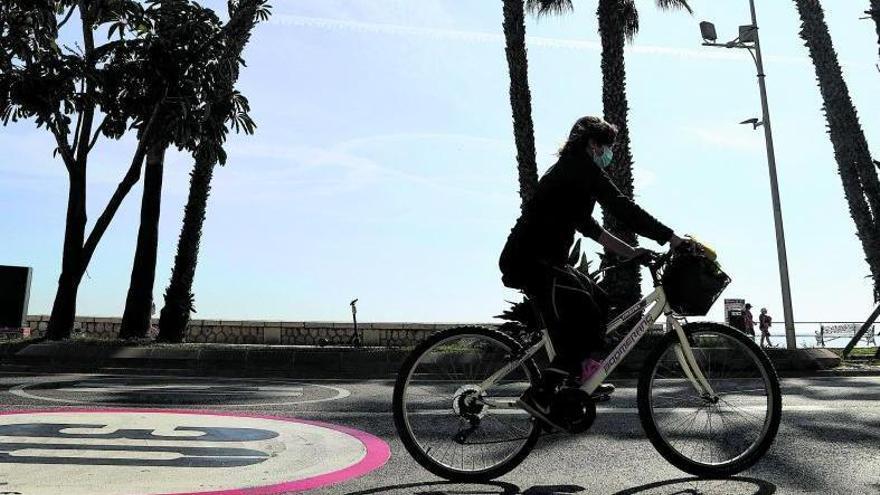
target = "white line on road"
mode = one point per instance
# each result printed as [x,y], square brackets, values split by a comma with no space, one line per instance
[22,391]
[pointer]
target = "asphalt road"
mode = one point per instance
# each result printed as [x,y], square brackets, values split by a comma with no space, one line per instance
[829,441]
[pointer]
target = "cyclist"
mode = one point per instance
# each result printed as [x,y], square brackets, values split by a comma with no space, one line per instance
[535,255]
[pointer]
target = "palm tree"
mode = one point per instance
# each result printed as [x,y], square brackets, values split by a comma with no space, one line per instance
[227,105]
[520,97]
[179,300]
[618,23]
[192,130]
[857,170]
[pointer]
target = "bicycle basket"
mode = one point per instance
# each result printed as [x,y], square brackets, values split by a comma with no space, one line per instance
[693,282]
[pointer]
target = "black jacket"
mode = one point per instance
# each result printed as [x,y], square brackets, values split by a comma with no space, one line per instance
[562,204]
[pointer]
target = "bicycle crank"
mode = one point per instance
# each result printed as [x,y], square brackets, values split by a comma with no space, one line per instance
[575,409]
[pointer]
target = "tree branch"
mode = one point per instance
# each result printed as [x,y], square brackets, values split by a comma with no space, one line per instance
[132,176]
[88,112]
[79,119]
[63,145]
[97,133]
[67,17]
[232,24]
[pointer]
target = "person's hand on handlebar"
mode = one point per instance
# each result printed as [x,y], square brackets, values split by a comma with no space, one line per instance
[675,241]
[643,256]
[624,251]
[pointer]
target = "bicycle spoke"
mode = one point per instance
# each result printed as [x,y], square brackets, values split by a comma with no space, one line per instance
[443,390]
[719,429]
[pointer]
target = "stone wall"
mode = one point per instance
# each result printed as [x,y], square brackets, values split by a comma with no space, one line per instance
[268,332]
[271,332]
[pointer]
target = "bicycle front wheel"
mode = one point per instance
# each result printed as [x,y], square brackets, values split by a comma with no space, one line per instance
[448,422]
[707,435]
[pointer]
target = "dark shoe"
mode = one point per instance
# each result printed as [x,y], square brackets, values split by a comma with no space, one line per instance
[538,404]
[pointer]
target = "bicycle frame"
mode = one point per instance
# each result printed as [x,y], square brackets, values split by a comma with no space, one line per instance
[657,302]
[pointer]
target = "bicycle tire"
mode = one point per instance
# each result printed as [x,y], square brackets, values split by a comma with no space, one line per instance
[673,456]
[406,435]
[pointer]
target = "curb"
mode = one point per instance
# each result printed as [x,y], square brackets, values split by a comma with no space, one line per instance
[845,372]
[314,362]
[238,360]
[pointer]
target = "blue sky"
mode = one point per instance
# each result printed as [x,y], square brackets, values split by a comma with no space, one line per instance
[383,167]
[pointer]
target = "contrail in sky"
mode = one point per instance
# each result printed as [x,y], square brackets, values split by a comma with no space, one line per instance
[498,38]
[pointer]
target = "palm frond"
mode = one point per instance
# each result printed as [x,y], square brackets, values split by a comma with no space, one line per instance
[520,312]
[575,254]
[548,7]
[674,5]
[630,17]
[585,265]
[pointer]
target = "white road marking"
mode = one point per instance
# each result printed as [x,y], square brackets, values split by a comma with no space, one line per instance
[115,452]
[292,388]
[172,389]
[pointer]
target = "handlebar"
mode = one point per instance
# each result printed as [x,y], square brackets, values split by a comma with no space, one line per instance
[653,260]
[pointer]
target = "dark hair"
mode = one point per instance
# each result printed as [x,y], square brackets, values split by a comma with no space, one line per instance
[586,129]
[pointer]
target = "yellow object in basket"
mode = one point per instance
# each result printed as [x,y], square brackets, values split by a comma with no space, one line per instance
[710,252]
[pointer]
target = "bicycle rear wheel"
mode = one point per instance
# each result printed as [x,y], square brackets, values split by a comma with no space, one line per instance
[447,422]
[710,436]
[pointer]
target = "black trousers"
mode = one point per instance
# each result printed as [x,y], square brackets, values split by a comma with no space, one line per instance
[574,308]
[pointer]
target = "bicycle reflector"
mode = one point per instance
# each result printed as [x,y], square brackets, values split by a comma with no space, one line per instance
[693,280]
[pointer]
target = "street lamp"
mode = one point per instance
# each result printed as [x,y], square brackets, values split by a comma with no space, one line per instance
[748,39]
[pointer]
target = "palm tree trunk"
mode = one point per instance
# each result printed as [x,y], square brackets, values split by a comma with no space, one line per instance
[520,96]
[64,308]
[623,285]
[857,170]
[179,297]
[136,317]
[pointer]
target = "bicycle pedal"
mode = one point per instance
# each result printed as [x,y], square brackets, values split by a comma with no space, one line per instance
[601,398]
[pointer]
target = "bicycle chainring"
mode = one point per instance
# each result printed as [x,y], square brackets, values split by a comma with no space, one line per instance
[575,409]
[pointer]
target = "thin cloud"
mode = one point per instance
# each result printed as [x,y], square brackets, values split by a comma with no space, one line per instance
[318,171]
[425,136]
[727,138]
[338,169]
[497,38]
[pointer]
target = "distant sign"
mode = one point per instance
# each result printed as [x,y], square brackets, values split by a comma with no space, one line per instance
[15,286]
[839,328]
[141,451]
[733,310]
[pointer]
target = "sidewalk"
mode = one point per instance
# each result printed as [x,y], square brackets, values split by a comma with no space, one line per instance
[315,362]
[215,359]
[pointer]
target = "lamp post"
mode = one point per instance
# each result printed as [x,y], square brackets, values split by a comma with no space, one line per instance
[748,39]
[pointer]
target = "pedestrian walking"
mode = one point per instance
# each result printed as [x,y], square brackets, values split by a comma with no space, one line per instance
[764,322]
[748,320]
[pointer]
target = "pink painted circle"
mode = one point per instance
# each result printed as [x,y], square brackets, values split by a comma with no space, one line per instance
[178,452]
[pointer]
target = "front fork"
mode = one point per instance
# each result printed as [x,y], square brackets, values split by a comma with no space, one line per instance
[685,356]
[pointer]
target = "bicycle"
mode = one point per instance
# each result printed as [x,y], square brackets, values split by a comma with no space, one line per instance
[701,376]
